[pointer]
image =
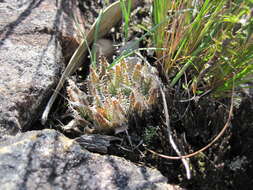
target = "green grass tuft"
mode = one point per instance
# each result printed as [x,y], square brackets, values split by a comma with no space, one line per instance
[126,11]
[209,40]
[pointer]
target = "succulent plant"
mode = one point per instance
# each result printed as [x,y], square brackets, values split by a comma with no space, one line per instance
[112,95]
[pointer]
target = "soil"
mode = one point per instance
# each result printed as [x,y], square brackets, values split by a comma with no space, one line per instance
[228,164]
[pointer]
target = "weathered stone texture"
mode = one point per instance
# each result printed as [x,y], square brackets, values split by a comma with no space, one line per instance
[32,33]
[48,160]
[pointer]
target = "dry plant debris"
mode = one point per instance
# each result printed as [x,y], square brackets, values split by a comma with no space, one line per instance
[112,95]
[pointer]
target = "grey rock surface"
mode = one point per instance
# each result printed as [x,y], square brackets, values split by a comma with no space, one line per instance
[48,160]
[32,36]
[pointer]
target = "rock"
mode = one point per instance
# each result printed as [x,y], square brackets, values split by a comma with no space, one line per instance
[104,47]
[96,142]
[48,160]
[32,36]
